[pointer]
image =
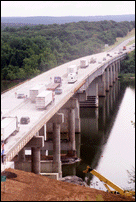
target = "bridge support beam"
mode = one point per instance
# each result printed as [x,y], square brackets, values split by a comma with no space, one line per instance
[107,78]
[117,68]
[101,85]
[35,160]
[71,105]
[110,75]
[35,143]
[92,95]
[21,155]
[57,119]
[114,72]
[72,128]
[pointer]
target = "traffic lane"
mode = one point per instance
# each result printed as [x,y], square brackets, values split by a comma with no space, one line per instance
[24,88]
[35,115]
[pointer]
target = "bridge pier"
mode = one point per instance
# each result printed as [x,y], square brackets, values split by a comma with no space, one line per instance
[114,72]
[101,85]
[107,78]
[32,165]
[92,94]
[71,105]
[110,76]
[57,119]
[72,128]
[21,155]
[35,160]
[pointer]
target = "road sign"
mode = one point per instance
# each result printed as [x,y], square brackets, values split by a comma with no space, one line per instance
[3,178]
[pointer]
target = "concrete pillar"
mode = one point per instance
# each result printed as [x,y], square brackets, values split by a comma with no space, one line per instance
[35,161]
[116,70]
[45,138]
[21,155]
[72,128]
[71,105]
[119,66]
[56,167]
[114,73]
[107,78]
[57,119]
[101,85]
[110,76]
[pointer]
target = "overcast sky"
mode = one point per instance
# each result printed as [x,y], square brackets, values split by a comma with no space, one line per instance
[65,8]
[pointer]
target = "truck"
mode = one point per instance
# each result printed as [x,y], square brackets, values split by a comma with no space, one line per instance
[72,73]
[52,86]
[72,69]
[34,91]
[57,79]
[84,63]
[9,126]
[110,183]
[92,60]
[44,98]
[124,47]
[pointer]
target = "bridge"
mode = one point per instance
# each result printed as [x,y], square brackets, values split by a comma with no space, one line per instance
[62,116]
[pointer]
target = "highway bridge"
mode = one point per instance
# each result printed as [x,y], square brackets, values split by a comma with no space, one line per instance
[96,77]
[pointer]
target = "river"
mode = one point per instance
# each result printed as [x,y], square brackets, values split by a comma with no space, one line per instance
[108,138]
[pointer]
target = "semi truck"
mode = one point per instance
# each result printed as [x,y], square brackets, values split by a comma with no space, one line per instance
[110,183]
[72,69]
[84,63]
[44,98]
[52,86]
[35,91]
[9,126]
[72,73]
[92,60]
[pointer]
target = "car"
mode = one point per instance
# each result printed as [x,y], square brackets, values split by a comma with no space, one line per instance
[58,91]
[24,120]
[21,95]
[108,54]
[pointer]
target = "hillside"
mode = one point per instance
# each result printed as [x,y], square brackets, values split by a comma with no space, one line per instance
[31,187]
[30,50]
[46,20]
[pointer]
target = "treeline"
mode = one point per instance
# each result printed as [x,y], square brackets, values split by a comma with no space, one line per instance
[128,65]
[30,50]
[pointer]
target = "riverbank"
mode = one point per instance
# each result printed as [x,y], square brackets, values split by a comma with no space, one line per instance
[27,186]
[127,77]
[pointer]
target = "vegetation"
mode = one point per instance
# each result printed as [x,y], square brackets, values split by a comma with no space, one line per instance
[127,67]
[131,175]
[30,50]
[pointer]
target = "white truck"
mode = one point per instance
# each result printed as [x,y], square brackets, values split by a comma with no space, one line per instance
[93,60]
[84,63]
[9,126]
[33,92]
[44,98]
[72,73]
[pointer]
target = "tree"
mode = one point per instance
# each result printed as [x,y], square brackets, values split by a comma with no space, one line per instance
[131,175]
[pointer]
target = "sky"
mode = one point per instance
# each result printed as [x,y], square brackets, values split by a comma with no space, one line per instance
[66,8]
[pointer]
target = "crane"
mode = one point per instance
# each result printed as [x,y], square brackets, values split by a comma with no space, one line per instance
[108,182]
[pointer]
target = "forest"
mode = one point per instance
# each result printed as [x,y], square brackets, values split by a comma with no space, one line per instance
[128,65]
[30,50]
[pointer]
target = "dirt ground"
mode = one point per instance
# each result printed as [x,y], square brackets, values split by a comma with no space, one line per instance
[26,186]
